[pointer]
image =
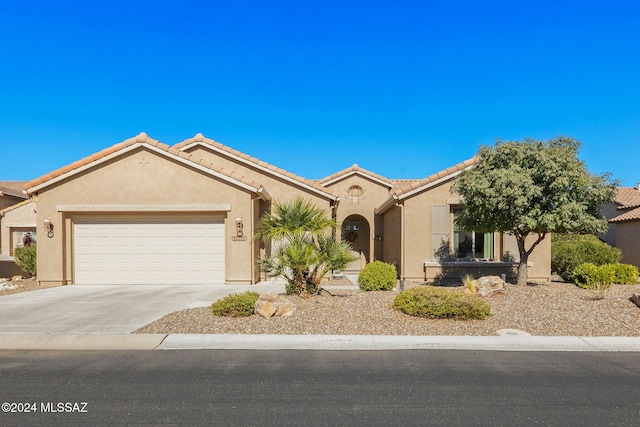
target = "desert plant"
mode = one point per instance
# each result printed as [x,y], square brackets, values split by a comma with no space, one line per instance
[568,251]
[307,249]
[598,279]
[377,276]
[236,305]
[469,284]
[626,274]
[438,303]
[25,258]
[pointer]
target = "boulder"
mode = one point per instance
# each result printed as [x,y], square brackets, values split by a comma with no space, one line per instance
[270,305]
[488,286]
[636,298]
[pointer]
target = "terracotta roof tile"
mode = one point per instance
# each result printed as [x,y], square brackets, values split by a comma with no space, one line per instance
[632,215]
[14,192]
[203,139]
[404,188]
[140,138]
[353,168]
[627,197]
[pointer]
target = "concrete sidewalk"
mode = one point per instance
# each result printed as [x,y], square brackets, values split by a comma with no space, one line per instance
[312,342]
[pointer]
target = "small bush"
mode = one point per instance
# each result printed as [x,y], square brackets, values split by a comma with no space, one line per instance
[568,251]
[26,259]
[586,275]
[626,274]
[596,278]
[236,305]
[439,303]
[377,276]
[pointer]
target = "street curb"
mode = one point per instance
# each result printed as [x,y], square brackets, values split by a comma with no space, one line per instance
[80,341]
[383,342]
[312,342]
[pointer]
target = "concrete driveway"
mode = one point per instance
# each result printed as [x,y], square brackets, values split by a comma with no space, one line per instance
[106,309]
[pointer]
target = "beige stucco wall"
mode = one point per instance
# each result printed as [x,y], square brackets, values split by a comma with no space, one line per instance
[628,241]
[391,241]
[22,218]
[141,177]
[375,193]
[418,262]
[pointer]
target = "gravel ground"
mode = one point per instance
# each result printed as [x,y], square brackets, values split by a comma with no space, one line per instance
[549,309]
[8,287]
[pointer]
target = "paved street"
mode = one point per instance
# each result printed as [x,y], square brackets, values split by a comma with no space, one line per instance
[415,387]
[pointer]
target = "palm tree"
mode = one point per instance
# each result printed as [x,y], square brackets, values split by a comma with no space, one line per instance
[306,249]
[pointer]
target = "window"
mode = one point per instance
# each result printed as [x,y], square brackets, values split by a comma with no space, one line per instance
[471,245]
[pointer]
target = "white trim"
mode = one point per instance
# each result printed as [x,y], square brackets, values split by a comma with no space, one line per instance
[257,166]
[144,208]
[366,175]
[147,146]
[21,225]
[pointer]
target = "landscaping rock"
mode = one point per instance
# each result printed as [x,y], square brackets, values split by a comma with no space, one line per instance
[270,305]
[635,298]
[488,286]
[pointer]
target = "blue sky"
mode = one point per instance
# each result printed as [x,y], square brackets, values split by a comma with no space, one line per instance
[403,88]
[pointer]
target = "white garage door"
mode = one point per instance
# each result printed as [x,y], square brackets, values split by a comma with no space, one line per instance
[149,251]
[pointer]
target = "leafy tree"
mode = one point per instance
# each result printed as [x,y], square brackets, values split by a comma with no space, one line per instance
[306,248]
[532,188]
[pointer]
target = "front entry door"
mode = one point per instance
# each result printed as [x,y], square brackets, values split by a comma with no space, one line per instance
[353,234]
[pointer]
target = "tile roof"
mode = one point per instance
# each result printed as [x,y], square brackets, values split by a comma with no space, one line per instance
[415,185]
[200,138]
[141,138]
[629,200]
[354,169]
[14,192]
[17,205]
[627,197]
[632,215]
[13,185]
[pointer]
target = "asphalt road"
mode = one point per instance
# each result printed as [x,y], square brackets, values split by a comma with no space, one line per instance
[328,388]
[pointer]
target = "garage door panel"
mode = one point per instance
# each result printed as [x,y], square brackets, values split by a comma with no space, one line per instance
[149,251]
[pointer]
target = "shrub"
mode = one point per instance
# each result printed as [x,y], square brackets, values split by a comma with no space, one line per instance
[377,276]
[236,305]
[439,303]
[26,259]
[568,251]
[586,275]
[626,274]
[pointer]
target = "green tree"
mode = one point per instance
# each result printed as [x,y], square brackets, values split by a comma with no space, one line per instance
[532,188]
[306,248]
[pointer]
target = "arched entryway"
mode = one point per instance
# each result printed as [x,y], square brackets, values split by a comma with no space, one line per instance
[356,232]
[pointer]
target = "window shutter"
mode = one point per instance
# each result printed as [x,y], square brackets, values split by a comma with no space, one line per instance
[440,243]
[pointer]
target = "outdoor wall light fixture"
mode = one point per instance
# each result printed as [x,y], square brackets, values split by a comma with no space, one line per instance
[48,227]
[239,227]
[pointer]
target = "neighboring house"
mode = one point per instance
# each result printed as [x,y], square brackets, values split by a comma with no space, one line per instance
[143,212]
[624,224]
[16,221]
[11,193]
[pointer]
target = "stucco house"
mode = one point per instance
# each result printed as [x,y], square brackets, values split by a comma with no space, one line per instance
[143,212]
[15,217]
[624,224]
